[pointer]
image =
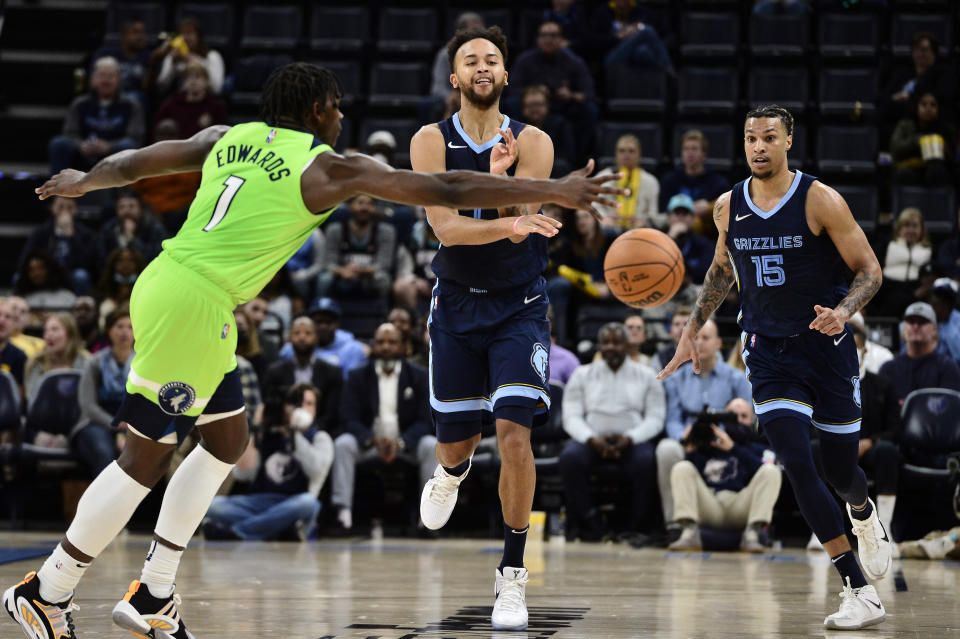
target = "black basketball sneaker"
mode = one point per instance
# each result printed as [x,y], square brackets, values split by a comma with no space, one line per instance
[148,617]
[39,618]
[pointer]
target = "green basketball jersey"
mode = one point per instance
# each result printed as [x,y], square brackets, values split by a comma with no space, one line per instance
[248,217]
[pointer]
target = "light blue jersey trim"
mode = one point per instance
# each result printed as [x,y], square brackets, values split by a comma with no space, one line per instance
[839,429]
[480,148]
[786,404]
[520,390]
[768,214]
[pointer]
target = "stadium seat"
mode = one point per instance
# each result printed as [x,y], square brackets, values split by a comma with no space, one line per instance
[904,25]
[396,85]
[636,90]
[591,317]
[338,29]
[407,30]
[215,20]
[649,134]
[797,156]
[348,73]
[720,139]
[707,91]
[929,432]
[250,73]
[362,317]
[153,15]
[938,205]
[778,36]
[862,201]
[275,28]
[849,35]
[709,34]
[9,403]
[787,86]
[846,149]
[848,92]
[402,130]
[53,408]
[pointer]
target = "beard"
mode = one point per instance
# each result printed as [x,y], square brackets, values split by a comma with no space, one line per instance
[469,93]
[761,175]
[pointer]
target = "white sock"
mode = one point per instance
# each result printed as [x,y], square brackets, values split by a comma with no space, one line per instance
[160,569]
[59,575]
[885,506]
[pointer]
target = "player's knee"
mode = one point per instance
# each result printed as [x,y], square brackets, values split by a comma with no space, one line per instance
[514,443]
[452,454]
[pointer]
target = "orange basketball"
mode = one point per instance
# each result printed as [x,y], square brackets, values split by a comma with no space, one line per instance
[643,268]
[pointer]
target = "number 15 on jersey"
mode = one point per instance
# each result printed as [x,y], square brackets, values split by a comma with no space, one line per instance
[769,270]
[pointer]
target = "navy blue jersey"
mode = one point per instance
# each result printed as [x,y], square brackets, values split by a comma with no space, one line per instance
[782,268]
[486,267]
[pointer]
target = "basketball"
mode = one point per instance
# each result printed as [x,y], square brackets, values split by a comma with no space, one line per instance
[643,268]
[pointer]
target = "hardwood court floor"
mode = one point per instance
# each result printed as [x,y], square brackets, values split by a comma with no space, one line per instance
[417,589]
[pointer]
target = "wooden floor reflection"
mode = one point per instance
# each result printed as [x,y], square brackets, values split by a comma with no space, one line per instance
[418,589]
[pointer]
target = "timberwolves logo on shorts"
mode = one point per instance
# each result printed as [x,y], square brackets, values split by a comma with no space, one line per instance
[176,398]
[856,390]
[540,359]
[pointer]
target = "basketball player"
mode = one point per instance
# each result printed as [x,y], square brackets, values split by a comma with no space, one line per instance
[489,334]
[784,238]
[265,187]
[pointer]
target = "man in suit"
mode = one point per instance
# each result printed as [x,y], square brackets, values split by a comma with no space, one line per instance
[385,415]
[306,368]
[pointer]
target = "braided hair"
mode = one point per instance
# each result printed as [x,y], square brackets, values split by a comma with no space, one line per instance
[291,91]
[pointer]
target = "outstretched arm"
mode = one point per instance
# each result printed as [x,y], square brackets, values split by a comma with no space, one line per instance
[831,211]
[715,287]
[126,167]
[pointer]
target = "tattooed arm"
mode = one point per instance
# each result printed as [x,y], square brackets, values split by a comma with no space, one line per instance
[715,287]
[827,211]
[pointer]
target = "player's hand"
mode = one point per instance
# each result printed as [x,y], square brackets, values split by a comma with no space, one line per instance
[66,183]
[577,191]
[503,154]
[829,321]
[526,224]
[686,350]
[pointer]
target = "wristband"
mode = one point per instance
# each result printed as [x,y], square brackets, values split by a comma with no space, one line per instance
[515,222]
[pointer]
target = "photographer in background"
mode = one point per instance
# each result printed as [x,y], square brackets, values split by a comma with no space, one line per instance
[287,463]
[722,483]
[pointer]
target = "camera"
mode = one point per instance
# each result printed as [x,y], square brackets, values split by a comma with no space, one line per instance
[701,434]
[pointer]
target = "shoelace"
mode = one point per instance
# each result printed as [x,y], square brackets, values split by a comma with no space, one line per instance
[511,593]
[866,531]
[67,614]
[441,490]
[848,607]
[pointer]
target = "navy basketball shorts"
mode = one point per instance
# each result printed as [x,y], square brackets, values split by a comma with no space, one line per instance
[489,357]
[811,375]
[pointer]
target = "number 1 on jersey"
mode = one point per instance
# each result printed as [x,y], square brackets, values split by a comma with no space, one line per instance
[230,187]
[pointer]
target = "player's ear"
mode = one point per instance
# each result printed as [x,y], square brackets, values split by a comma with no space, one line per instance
[789,142]
[506,77]
[453,81]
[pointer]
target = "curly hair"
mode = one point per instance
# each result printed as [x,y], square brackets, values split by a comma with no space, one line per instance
[494,34]
[291,91]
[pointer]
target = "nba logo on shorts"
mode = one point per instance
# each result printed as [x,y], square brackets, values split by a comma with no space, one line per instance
[539,359]
[176,398]
[271,135]
[225,331]
[753,340]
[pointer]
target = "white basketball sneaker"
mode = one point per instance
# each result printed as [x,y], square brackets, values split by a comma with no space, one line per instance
[861,607]
[439,496]
[873,544]
[510,608]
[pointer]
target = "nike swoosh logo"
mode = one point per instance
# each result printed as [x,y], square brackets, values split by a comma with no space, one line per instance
[451,145]
[527,300]
[837,341]
[875,604]
[742,217]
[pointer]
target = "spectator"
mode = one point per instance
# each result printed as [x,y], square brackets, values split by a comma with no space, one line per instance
[88,323]
[943,299]
[169,196]
[12,359]
[71,243]
[307,263]
[406,322]
[248,343]
[360,254]
[562,362]
[639,208]
[249,386]
[677,322]
[306,368]
[921,365]
[570,16]
[98,123]
[44,284]
[103,384]
[264,334]
[923,145]
[334,345]
[565,75]
[688,394]
[440,87]
[62,349]
[174,55]
[636,338]
[723,484]
[122,269]
[133,227]
[385,415]
[132,58]
[382,145]
[29,344]
[194,107]
[693,178]
[927,73]
[415,286]
[872,355]
[627,37]
[288,464]
[697,250]
[612,409]
[906,253]
[535,108]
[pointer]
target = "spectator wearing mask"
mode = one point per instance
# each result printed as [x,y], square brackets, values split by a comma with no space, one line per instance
[71,243]
[12,359]
[62,349]
[943,299]
[132,56]
[103,383]
[697,250]
[44,284]
[20,310]
[194,107]
[923,145]
[287,463]
[334,345]
[176,54]
[694,179]
[640,208]
[613,409]
[921,365]
[121,271]
[906,253]
[98,123]
[385,415]
[133,227]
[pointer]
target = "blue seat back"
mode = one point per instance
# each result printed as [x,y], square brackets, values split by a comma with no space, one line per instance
[930,423]
[54,408]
